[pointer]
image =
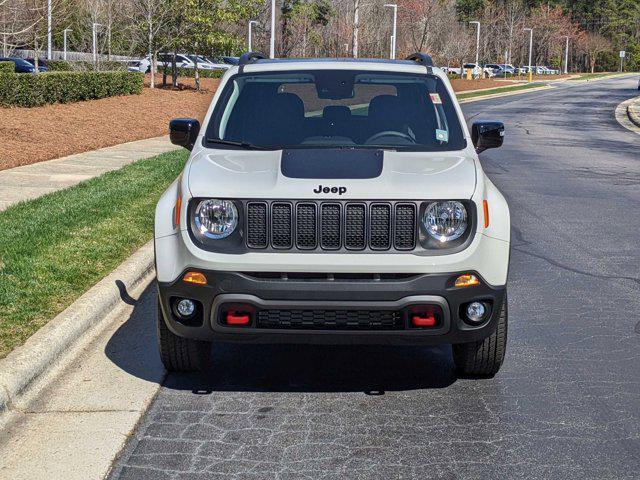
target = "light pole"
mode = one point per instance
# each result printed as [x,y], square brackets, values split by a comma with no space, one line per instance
[64,43]
[94,32]
[392,55]
[272,49]
[530,30]
[251,23]
[48,29]
[475,22]
[566,57]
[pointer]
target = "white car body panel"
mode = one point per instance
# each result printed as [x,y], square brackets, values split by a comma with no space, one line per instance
[218,173]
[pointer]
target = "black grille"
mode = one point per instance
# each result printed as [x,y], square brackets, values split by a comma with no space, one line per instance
[281,225]
[380,226]
[332,225]
[330,319]
[405,227]
[257,218]
[306,226]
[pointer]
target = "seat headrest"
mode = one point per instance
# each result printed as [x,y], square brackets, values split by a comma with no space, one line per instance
[384,105]
[336,112]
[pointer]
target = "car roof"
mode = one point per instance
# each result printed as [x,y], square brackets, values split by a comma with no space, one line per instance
[369,64]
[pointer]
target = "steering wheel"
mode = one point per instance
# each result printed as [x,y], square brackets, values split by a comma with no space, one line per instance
[389,133]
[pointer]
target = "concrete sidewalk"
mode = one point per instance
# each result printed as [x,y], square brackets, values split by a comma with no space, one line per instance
[32,181]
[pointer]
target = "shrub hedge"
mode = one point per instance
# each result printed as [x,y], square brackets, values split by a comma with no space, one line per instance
[82,66]
[59,66]
[24,90]
[7,67]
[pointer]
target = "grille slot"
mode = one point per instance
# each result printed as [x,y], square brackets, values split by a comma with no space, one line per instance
[330,226]
[330,319]
[281,225]
[405,227]
[257,218]
[355,237]
[380,236]
[306,226]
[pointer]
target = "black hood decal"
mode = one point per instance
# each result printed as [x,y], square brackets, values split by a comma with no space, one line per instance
[331,163]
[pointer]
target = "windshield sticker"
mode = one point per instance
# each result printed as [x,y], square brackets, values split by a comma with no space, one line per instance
[435,98]
[442,135]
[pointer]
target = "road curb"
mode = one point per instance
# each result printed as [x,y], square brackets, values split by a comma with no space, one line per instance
[504,94]
[633,112]
[627,114]
[26,363]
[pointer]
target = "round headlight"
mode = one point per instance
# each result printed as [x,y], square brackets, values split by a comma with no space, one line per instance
[445,221]
[216,218]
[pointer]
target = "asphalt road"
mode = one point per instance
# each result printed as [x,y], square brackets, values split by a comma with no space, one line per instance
[567,401]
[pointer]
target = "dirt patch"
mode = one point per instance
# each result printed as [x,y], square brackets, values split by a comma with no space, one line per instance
[463,85]
[31,135]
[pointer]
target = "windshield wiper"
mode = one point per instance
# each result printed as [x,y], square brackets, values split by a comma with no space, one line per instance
[247,145]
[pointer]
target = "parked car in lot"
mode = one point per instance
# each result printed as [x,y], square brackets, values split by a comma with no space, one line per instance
[143,65]
[23,66]
[477,70]
[42,64]
[500,69]
[182,61]
[335,202]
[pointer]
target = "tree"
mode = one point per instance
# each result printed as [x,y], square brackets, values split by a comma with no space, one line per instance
[594,44]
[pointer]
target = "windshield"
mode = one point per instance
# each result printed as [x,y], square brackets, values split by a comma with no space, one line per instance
[336,109]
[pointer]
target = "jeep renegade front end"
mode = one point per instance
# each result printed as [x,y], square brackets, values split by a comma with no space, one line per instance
[333,201]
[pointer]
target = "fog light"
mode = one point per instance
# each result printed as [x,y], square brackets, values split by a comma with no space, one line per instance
[466,280]
[475,312]
[185,308]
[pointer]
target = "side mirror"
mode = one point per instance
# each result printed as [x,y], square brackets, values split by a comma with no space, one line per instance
[487,135]
[184,131]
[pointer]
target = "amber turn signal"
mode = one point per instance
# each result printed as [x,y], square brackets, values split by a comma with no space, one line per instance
[485,208]
[466,280]
[195,277]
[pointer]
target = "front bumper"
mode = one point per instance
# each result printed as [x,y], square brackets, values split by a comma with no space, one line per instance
[318,292]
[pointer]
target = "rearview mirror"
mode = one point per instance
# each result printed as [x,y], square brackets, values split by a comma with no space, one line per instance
[184,131]
[487,135]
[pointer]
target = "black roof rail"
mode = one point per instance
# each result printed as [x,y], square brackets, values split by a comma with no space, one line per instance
[422,58]
[250,57]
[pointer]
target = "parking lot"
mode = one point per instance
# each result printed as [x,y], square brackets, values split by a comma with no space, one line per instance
[566,403]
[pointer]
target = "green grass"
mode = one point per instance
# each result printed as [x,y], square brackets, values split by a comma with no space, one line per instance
[482,93]
[54,248]
[589,76]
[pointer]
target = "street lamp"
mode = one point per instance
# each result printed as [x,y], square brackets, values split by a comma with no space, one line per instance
[477,41]
[566,57]
[272,49]
[392,55]
[530,30]
[64,42]
[251,23]
[48,29]
[94,34]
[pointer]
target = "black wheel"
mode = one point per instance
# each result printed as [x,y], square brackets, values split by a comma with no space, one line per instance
[484,357]
[181,354]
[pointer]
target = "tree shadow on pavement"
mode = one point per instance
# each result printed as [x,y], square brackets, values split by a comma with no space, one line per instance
[285,368]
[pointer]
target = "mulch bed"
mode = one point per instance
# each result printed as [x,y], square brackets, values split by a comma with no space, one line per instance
[31,135]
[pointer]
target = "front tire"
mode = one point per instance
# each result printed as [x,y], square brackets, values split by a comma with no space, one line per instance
[180,354]
[484,357]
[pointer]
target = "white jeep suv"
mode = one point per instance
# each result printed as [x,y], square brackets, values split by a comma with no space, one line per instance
[333,201]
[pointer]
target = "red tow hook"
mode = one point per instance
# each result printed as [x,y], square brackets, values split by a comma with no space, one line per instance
[238,318]
[424,320]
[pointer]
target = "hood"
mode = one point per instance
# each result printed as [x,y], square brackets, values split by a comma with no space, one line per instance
[403,176]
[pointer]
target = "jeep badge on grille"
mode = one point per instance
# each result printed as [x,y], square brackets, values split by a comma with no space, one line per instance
[338,190]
